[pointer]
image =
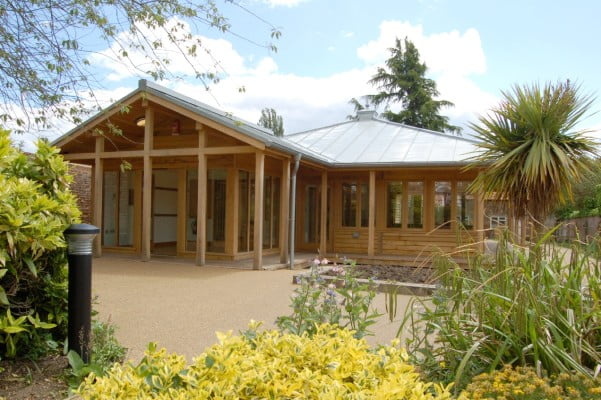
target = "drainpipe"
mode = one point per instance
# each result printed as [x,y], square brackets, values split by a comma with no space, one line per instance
[297,158]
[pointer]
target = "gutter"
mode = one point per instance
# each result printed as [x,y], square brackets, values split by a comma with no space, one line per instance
[292,223]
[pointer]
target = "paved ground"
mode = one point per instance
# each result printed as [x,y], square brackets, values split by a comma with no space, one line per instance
[180,306]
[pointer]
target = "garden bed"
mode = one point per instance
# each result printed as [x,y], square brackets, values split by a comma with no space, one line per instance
[386,278]
[42,379]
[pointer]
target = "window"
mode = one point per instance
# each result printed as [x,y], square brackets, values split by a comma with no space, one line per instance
[353,193]
[442,204]
[271,212]
[312,214]
[349,204]
[364,205]
[118,209]
[465,205]
[395,204]
[415,204]
[216,200]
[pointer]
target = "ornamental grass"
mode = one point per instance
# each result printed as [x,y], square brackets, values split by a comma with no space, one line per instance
[537,306]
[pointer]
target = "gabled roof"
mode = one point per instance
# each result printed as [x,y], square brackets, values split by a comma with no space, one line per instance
[369,140]
[366,141]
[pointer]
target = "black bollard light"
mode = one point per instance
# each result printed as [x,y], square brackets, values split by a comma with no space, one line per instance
[79,249]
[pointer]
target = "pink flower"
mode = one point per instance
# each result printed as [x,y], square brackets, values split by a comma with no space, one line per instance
[316,261]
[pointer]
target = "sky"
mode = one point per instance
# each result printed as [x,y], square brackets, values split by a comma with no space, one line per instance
[329,49]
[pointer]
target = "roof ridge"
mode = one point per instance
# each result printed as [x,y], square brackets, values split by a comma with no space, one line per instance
[320,128]
[145,85]
[425,130]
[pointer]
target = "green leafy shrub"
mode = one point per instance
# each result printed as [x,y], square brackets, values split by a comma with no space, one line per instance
[331,364]
[36,208]
[536,307]
[522,383]
[105,351]
[347,303]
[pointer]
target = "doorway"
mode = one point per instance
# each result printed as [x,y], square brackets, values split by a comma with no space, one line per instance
[164,212]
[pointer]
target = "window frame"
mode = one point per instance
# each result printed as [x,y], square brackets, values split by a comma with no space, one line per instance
[405,204]
[359,184]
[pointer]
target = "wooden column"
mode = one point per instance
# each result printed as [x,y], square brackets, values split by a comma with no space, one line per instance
[231,211]
[371,236]
[284,210]
[480,220]
[147,185]
[259,190]
[181,211]
[137,210]
[201,212]
[98,186]
[323,226]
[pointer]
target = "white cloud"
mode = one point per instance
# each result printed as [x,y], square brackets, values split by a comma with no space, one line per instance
[308,102]
[212,54]
[446,52]
[452,58]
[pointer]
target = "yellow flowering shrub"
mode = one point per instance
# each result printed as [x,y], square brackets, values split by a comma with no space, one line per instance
[522,383]
[331,364]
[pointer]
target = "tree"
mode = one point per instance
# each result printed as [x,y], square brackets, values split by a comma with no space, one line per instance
[358,106]
[403,81]
[270,119]
[46,48]
[531,151]
[587,196]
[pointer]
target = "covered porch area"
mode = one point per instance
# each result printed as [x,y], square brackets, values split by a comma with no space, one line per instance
[171,181]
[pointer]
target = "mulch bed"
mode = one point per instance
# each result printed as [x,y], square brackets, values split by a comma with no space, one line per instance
[395,273]
[29,380]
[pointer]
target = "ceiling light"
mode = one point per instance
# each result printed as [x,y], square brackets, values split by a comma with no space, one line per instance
[141,121]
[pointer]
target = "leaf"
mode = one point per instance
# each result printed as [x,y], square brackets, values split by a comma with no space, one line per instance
[31,265]
[464,361]
[14,329]
[3,298]
[209,361]
[75,361]
[40,324]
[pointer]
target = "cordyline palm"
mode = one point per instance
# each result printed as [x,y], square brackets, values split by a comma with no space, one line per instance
[531,151]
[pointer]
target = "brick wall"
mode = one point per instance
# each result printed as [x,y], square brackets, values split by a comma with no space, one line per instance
[82,188]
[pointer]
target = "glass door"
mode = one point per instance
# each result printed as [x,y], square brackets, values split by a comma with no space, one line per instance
[118,209]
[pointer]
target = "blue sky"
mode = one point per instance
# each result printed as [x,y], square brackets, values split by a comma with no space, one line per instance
[330,48]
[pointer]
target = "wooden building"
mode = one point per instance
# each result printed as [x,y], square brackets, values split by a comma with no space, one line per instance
[174,176]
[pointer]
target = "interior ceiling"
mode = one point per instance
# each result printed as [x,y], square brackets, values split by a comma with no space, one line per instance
[165,121]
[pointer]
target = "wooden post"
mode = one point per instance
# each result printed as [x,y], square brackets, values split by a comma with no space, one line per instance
[137,209]
[98,186]
[284,210]
[479,221]
[371,236]
[201,213]
[323,234]
[147,185]
[259,190]
[231,211]
[181,211]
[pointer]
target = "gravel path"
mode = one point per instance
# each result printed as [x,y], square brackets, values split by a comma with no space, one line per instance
[181,306]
